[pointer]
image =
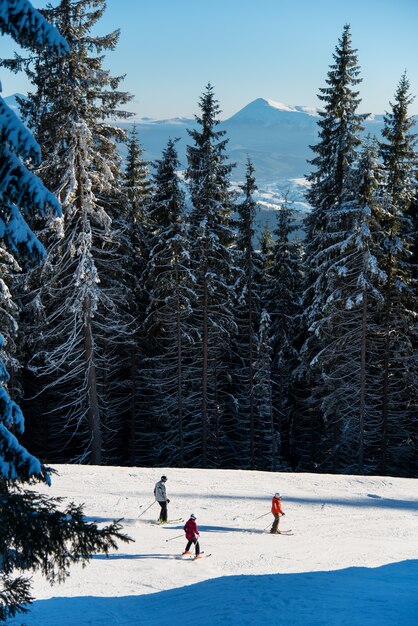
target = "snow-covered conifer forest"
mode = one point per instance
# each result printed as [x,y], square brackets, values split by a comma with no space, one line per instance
[143,324]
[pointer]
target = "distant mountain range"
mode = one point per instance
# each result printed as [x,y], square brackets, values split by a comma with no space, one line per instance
[274,135]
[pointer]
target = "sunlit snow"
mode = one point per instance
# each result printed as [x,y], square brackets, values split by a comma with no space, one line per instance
[351,558]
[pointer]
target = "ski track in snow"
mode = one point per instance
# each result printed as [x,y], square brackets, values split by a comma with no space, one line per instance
[351,560]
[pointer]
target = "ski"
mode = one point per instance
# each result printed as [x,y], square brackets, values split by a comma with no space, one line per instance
[202,556]
[169,521]
[191,557]
[280,532]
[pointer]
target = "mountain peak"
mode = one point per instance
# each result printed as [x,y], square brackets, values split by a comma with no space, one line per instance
[266,111]
[276,105]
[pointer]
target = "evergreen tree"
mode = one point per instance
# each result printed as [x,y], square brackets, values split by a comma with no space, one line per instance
[339,135]
[81,303]
[35,535]
[266,245]
[329,226]
[20,193]
[348,330]
[266,255]
[266,437]
[137,190]
[9,314]
[247,311]
[215,414]
[399,364]
[164,375]
[284,283]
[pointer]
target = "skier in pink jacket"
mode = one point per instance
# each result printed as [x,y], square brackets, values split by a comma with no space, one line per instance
[192,536]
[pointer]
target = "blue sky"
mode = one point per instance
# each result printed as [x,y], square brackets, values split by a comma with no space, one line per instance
[277,49]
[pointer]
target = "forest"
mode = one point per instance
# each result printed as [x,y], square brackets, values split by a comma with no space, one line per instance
[144,325]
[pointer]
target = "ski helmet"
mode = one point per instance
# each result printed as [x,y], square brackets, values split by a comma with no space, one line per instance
[277,495]
[193,516]
[163,478]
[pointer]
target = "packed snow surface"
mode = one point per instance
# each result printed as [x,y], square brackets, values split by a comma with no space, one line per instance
[351,558]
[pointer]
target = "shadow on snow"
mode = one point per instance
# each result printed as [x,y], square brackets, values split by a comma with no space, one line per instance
[356,596]
[370,500]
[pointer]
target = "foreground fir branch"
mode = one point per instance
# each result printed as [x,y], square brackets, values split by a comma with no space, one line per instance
[36,535]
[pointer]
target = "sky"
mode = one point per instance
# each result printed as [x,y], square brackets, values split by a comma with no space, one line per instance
[248,49]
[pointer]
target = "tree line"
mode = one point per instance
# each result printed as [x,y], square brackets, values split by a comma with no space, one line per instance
[157,332]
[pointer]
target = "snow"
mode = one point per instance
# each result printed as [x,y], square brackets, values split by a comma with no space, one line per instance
[28,27]
[280,105]
[351,559]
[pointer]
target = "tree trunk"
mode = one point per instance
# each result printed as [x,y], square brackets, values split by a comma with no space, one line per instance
[251,363]
[386,365]
[93,408]
[132,408]
[362,384]
[179,372]
[205,362]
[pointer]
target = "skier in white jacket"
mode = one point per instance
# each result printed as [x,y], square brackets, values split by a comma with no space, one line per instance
[161,497]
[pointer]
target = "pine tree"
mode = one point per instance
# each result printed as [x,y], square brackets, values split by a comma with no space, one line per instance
[81,303]
[347,331]
[284,284]
[208,172]
[266,437]
[329,226]
[247,311]
[137,190]
[266,254]
[339,135]
[399,366]
[168,329]
[35,533]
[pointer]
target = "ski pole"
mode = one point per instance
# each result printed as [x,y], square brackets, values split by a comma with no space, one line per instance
[147,508]
[266,527]
[261,516]
[172,538]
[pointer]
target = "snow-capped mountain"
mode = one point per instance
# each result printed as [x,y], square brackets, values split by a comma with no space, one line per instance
[269,112]
[274,135]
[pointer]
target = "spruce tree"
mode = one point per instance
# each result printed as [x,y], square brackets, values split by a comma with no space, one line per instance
[136,190]
[348,332]
[329,225]
[165,375]
[339,135]
[36,534]
[247,311]
[284,285]
[266,437]
[81,303]
[399,365]
[214,417]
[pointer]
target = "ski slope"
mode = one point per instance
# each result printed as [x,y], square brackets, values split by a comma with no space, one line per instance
[351,560]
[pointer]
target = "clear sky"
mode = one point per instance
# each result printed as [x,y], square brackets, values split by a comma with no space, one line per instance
[277,49]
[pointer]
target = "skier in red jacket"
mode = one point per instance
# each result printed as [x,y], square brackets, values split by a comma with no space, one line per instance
[276,509]
[192,536]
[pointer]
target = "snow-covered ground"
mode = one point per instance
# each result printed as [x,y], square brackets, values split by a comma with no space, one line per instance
[352,558]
